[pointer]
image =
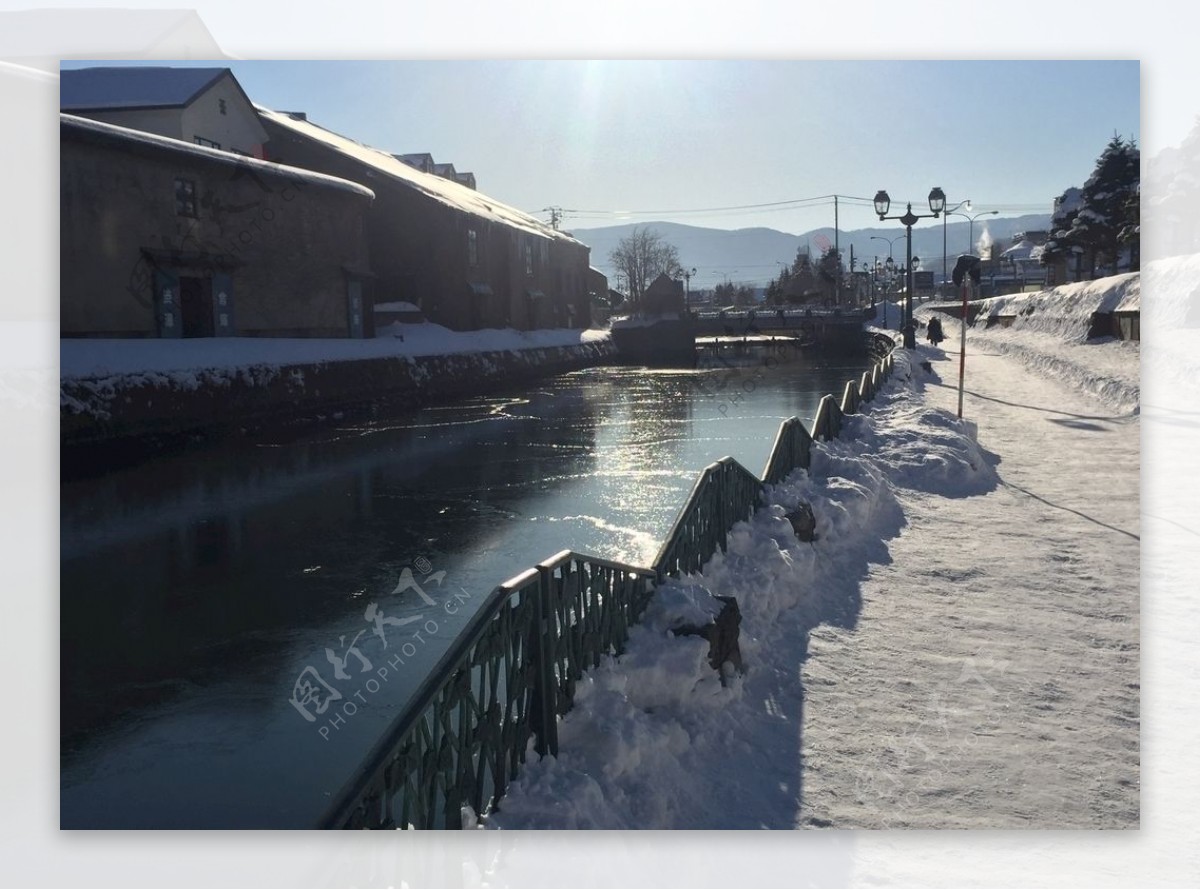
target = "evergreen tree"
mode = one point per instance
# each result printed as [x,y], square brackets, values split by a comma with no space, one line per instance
[829,270]
[1060,245]
[1104,215]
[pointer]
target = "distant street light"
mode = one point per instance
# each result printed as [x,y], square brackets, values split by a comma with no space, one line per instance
[971,229]
[937,203]
[890,241]
[687,292]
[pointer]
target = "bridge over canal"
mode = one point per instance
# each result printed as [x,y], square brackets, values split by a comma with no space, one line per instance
[672,341]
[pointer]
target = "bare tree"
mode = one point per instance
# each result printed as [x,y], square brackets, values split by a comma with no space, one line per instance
[641,257]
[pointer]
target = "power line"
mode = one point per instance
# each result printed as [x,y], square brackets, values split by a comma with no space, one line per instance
[793,203]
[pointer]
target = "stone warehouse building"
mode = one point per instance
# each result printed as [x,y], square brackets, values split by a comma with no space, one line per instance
[162,238]
[465,259]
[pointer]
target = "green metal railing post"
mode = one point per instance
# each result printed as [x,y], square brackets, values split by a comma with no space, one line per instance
[545,691]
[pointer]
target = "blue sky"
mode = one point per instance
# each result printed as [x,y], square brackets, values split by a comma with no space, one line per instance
[674,139]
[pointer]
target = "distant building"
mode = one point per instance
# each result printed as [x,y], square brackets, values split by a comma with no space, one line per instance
[163,238]
[466,260]
[424,162]
[420,161]
[597,284]
[802,285]
[1022,263]
[664,295]
[204,106]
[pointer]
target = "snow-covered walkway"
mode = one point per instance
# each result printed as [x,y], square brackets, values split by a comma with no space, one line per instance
[991,680]
[958,648]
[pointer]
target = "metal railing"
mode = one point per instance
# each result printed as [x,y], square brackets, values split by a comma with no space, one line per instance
[508,677]
[725,493]
[792,449]
[512,671]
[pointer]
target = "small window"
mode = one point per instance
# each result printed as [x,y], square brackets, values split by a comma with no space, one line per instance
[185,197]
[200,140]
[221,105]
[472,248]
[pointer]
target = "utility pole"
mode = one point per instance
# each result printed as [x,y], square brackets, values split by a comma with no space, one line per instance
[852,267]
[837,255]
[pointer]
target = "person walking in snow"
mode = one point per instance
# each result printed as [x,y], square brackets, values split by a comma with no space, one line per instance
[935,331]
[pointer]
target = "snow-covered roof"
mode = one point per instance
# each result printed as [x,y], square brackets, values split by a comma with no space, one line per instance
[81,125]
[1023,250]
[95,89]
[445,191]
[398,306]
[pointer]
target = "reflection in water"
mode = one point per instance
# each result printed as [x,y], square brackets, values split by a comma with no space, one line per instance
[197,590]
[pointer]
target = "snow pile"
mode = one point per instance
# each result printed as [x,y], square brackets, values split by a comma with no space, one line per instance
[654,739]
[1049,334]
[1066,312]
[263,356]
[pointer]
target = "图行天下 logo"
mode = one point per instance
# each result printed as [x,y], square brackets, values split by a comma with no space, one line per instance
[352,674]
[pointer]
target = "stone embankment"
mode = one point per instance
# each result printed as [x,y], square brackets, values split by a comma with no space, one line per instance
[153,406]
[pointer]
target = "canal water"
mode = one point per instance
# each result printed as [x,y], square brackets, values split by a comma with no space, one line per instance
[215,603]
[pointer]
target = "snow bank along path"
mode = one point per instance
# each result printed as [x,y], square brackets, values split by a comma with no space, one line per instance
[958,648]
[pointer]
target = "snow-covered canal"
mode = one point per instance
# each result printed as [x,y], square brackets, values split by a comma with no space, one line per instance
[198,589]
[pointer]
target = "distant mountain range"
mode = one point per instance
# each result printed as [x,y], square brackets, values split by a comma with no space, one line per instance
[753,256]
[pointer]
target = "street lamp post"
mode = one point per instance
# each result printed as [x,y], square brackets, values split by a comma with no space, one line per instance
[937,203]
[889,269]
[945,218]
[687,292]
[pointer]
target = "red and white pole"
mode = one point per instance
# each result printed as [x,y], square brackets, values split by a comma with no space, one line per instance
[962,345]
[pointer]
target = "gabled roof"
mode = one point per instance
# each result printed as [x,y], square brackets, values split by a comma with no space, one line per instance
[665,284]
[445,191]
[113,89]
[417,159]
[82,128]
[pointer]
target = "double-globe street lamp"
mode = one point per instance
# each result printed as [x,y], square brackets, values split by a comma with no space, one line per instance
[937,203]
